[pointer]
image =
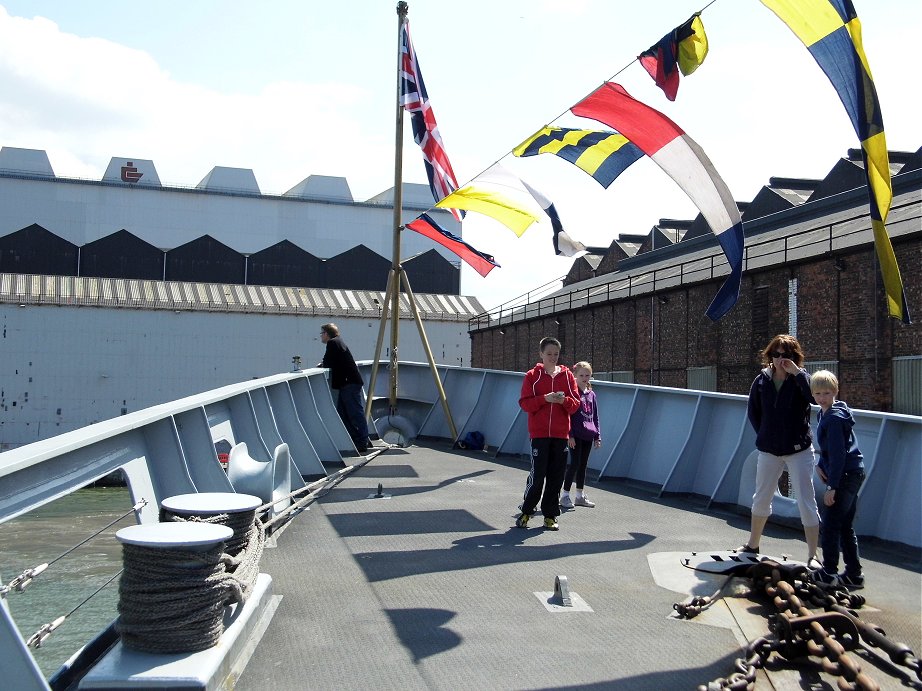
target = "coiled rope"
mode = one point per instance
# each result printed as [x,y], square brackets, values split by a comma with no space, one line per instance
[172,601]
[243,550]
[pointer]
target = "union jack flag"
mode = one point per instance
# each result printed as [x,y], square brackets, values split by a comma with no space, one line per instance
[415,100]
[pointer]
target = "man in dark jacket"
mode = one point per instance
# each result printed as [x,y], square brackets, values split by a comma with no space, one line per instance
[347,380]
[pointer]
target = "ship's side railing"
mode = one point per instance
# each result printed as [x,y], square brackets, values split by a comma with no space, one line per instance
[169,449]
[682,441]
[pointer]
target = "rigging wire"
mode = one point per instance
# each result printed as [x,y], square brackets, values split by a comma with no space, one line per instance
[567,110]
[25,578]
[137,507]
[38,638]
[20,582]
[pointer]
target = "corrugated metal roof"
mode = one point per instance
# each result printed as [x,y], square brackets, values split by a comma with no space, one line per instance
[176,295]
[776,242]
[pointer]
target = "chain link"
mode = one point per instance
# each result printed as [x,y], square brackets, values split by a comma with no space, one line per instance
[798,631]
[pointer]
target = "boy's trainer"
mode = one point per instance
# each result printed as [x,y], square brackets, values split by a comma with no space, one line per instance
[522,520]
[852,582]
[823,578]
[551,523]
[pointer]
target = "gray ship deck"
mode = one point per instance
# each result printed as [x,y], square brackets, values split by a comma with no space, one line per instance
[434,588]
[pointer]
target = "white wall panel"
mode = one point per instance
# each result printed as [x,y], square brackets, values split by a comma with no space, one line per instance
[65,367]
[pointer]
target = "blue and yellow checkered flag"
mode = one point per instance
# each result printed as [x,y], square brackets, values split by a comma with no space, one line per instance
[604,155]
[832,33]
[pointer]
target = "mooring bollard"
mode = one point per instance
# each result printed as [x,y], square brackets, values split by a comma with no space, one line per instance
[166,564]
[239,508]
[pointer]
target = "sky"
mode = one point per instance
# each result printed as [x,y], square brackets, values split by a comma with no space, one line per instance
[291,88]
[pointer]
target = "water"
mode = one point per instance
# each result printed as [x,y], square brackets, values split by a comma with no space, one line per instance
[45,534]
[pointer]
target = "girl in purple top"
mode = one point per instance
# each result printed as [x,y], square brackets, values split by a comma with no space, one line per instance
[584,434]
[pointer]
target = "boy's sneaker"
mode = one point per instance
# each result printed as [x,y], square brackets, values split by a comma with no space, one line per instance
[566,502]
[551,523]
[852,582]
[747,549]
[825,579]
[583,500]
[522,520]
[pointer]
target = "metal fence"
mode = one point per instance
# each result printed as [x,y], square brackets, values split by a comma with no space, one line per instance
[851,232]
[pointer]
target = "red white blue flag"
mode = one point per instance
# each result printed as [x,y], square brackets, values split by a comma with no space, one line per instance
[415,100]
[686,163]
[481,262]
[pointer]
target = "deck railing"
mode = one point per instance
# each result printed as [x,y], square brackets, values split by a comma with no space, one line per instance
[680,441]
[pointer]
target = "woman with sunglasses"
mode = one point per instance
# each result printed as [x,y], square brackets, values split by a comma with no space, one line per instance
[779,411]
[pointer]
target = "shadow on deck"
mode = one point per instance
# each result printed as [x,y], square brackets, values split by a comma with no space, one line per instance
[433,587]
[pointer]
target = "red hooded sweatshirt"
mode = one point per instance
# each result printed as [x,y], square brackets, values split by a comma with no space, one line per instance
[549,419]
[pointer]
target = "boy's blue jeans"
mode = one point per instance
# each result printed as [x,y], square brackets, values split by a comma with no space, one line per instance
[837,532]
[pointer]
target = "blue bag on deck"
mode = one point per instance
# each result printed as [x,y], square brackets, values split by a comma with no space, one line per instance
[473,441]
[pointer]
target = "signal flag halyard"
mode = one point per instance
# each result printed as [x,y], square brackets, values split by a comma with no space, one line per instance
[415,100]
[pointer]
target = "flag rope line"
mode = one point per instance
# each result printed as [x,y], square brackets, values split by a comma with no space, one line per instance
[560,115]
[731,242]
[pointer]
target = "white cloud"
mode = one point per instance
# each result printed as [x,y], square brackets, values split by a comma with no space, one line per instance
[85,100]
[759,106]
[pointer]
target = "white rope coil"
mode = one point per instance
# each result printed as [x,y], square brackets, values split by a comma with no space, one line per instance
[243,550]
[172,601]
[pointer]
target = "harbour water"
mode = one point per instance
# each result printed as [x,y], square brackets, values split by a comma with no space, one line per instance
[44,535]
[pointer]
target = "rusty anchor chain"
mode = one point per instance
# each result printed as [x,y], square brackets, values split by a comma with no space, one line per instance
[798,631]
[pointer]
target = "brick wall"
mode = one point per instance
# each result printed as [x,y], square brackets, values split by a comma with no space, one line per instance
[841,315]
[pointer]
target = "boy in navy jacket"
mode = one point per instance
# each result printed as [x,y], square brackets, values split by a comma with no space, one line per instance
[841,467]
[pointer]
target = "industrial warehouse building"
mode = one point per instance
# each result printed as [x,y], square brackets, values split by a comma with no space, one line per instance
[636,311]
[121,293]
[223,230]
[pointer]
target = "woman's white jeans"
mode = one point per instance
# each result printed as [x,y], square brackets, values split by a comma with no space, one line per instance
[800,470]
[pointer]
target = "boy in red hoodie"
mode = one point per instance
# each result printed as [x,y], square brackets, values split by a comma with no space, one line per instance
[549,396]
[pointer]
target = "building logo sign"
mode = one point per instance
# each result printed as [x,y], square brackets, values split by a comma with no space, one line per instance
[130,172]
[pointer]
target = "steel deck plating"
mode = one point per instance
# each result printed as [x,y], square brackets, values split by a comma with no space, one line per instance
[435,588]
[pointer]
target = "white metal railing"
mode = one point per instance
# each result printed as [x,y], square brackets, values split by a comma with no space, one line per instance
[682,441]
